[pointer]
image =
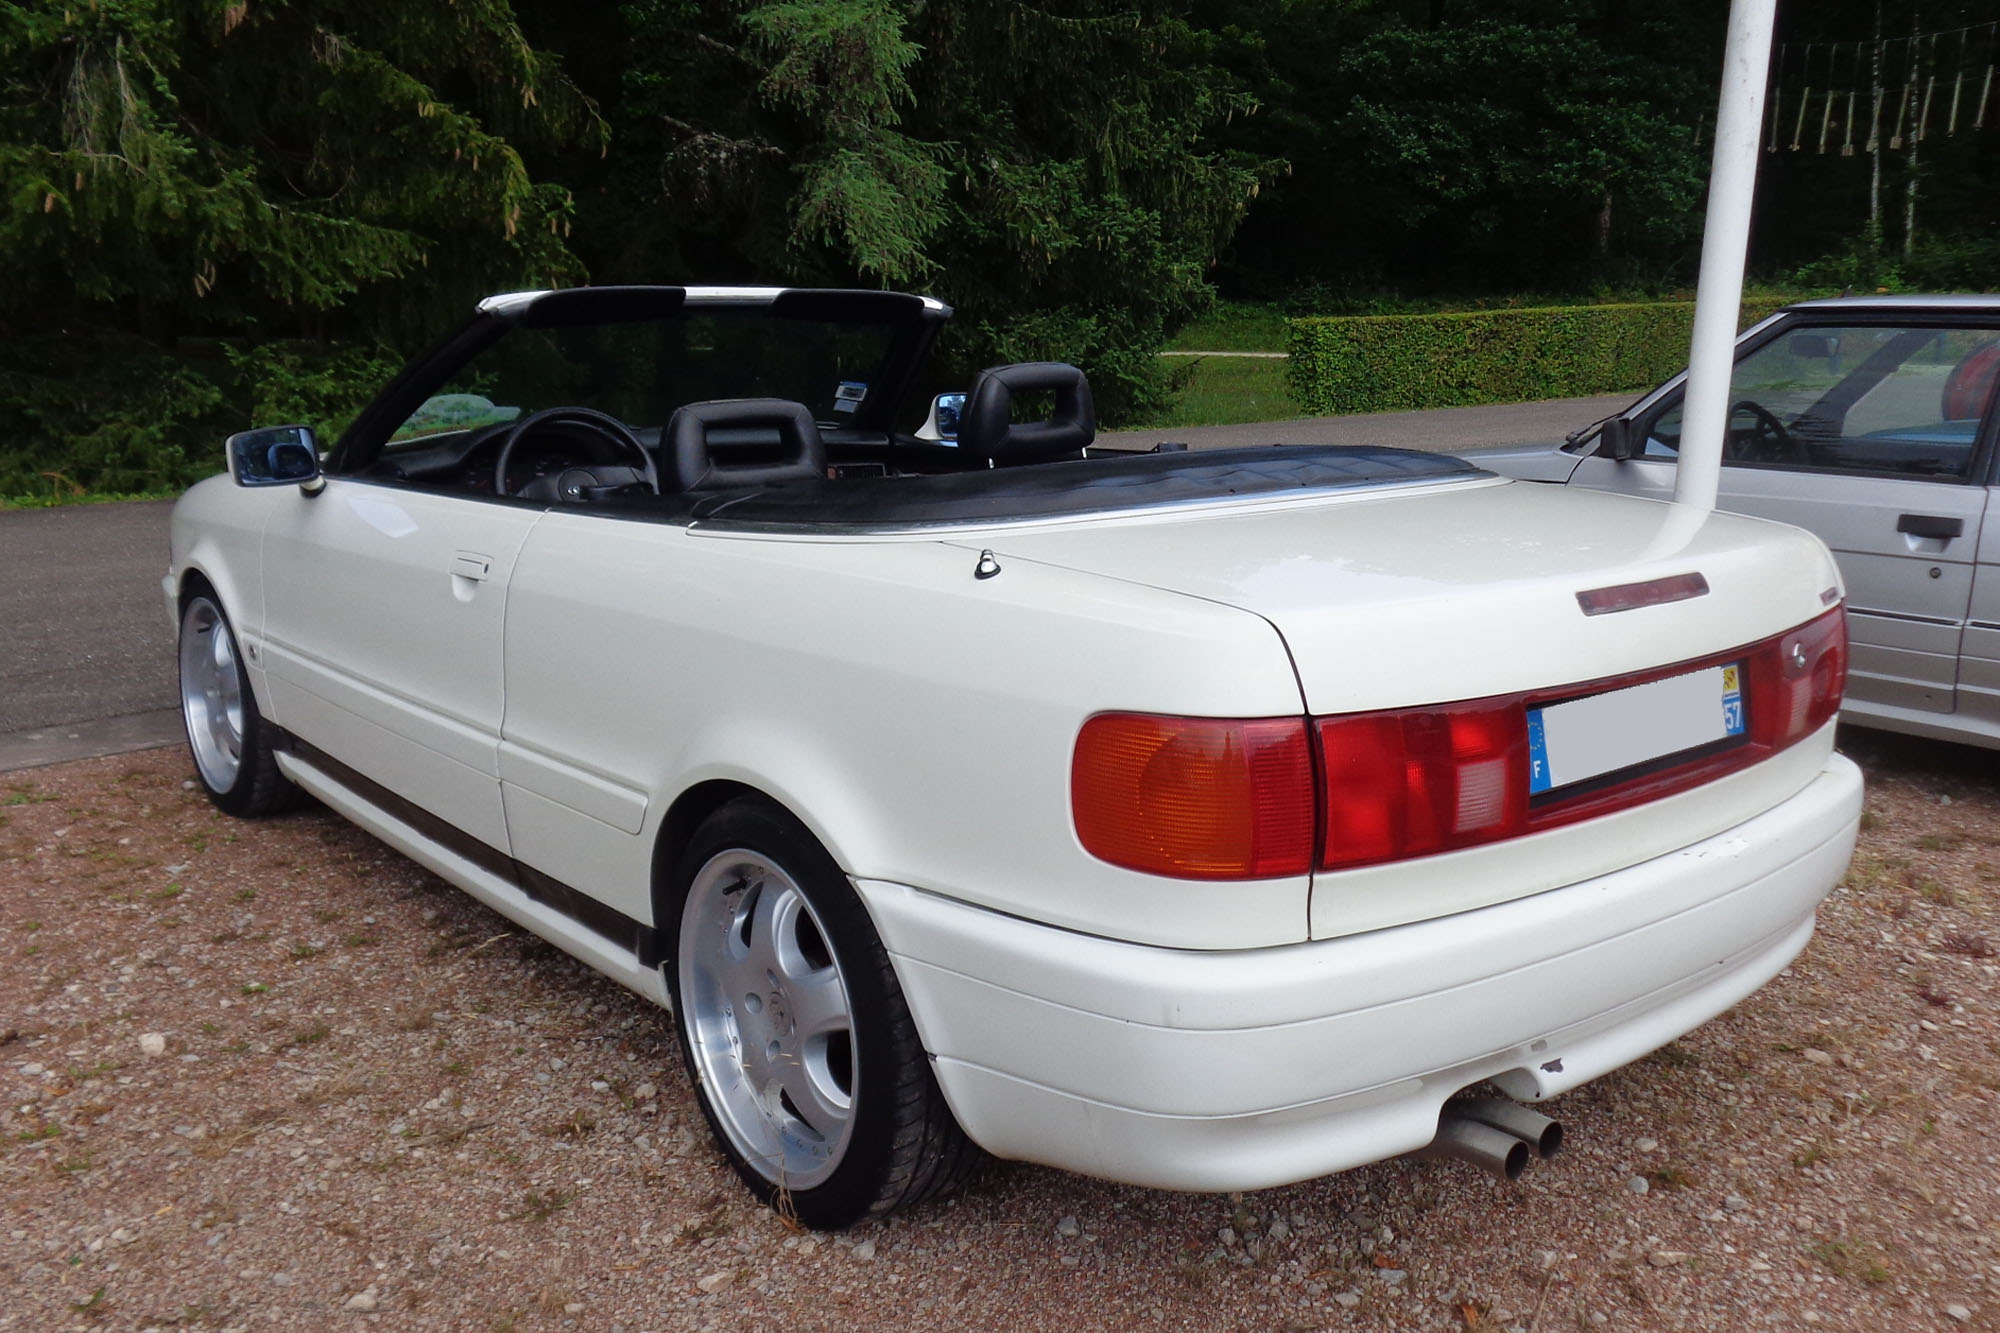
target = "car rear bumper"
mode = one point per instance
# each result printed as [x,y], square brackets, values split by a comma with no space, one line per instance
[1249,1068]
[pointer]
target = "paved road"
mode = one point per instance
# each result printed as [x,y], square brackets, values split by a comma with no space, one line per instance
[87,656]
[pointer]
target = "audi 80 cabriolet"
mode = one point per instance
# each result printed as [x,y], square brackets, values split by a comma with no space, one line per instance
[1201,820]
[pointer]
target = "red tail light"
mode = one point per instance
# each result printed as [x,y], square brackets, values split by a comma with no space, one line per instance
[1796,680]
[1411,783]
[1233,798]
[1195,798]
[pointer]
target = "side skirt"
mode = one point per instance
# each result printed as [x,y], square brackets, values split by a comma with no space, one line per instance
[626,950]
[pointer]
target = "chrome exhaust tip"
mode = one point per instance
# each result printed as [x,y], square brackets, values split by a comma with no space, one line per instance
[1543,1135]
[1492,1150]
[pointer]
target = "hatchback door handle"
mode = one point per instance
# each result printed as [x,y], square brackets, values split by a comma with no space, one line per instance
[1931,525]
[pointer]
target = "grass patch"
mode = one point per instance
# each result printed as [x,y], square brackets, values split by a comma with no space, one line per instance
[58,498]
[1227,391]
[536,1206]
[1234,326]
[1845,1259]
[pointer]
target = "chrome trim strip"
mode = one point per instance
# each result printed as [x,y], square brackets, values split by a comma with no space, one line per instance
[1854,610]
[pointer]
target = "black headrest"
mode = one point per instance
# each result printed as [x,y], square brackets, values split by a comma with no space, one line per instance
[986,429]
[690,467]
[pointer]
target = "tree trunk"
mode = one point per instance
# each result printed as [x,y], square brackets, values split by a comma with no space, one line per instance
[1875,139]
[1910,163]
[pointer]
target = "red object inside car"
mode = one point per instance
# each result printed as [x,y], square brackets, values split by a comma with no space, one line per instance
[1971,384]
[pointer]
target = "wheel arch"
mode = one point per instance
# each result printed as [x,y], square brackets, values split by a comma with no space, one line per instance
[677,828]
[193,582]
[196,578]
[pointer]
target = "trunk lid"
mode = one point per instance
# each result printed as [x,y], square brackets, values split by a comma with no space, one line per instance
[1396,597]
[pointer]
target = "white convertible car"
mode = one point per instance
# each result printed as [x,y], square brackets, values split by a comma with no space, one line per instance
[1200,820]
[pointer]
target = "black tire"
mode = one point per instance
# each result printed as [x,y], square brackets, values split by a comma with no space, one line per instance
[756,897]
[234,750]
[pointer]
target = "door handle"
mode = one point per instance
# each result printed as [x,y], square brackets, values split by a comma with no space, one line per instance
[1931,525]
[469,565]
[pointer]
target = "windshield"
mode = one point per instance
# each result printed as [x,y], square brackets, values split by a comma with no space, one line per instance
[640,371]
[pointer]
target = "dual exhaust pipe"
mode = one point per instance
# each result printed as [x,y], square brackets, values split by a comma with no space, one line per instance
[1497,1136]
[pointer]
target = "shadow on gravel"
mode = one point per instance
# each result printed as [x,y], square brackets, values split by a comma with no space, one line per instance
[1944,765]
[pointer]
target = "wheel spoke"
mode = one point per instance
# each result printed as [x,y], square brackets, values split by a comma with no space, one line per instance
[819,1004]
[816,1104]
[762,966]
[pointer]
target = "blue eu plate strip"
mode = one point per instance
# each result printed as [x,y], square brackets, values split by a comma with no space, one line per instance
[1732,700]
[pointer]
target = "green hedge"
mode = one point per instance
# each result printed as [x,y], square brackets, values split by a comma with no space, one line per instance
[1391,363]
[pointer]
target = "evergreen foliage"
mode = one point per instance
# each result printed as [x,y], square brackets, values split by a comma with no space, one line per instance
[1511,144]
[178,170]
[1053,171]
[226,211]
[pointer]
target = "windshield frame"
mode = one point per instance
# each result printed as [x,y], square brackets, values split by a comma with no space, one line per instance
[913,322]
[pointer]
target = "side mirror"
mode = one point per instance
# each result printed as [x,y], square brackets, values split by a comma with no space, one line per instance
[941,425]
[1614,440]
[276,456]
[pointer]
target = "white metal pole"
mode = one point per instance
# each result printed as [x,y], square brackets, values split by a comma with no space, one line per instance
[1725,239]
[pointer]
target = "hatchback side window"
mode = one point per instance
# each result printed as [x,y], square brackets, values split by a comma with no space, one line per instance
[1876,400]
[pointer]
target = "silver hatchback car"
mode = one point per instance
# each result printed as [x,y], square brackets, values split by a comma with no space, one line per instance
[1872,422]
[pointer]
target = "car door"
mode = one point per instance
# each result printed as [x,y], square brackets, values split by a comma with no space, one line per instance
[1979,666]
[382,639]
[1870,436]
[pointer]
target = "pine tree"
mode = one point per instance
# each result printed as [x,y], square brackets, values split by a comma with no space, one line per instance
[256,171]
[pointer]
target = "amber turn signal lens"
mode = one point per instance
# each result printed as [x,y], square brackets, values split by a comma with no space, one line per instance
[1195,798]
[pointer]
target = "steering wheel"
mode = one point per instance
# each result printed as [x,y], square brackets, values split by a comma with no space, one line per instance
[1770,442]
[579,483]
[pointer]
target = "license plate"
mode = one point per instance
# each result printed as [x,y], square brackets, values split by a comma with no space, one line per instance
[1587,738]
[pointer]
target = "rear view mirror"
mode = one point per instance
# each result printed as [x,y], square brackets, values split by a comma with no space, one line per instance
[1614,439]
[275,456]
[941,426]
[1814,347]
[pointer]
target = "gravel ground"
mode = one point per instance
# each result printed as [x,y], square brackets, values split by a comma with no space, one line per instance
[274,1076]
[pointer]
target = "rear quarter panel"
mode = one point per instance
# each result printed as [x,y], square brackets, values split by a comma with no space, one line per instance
[919,720]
